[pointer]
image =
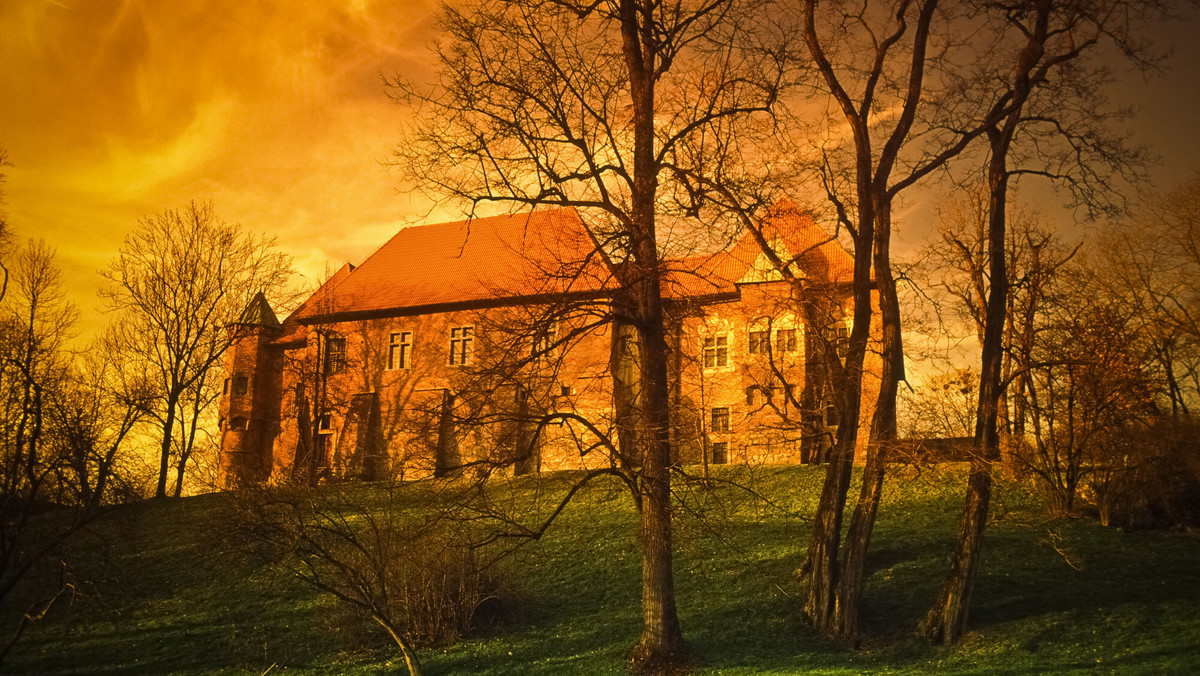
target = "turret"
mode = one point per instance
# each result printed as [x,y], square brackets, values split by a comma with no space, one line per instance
[250,397]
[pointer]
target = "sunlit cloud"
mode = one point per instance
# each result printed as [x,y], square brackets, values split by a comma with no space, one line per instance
[122,108]
[117,109]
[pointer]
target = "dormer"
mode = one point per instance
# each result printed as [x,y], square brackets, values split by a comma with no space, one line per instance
[763,270]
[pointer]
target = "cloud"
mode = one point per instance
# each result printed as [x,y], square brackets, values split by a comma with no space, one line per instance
[116,109]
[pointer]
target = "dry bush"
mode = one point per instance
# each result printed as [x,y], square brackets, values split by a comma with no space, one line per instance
[1149,476]
[394,561]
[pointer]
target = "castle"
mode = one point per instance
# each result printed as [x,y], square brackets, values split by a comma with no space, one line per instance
[491,343]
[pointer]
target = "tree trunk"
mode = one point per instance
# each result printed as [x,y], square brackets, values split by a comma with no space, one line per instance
[946,621]
[189,442]
[844,623]
[821,564]
[406,648]
[164,457]
[660,648]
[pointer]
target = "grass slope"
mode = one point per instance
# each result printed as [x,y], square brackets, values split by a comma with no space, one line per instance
[165,598]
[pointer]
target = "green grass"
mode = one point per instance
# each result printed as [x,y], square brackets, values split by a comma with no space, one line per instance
[168,597]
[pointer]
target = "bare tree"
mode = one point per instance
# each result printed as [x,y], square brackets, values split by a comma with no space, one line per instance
[868,58]
[106,396]
[35,320]
[1153,268]
[614,108]
[5,233]
[1054,125]
[182,277]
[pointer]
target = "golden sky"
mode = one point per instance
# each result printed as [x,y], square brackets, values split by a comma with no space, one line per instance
[115,109]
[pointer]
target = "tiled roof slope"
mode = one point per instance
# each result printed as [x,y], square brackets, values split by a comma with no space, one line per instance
[794,235]
[819,254]
[293,330]
[545,253]
[520,255]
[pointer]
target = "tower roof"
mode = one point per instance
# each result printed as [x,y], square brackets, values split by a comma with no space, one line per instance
[258,312]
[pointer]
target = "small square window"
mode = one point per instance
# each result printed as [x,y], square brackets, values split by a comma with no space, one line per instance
[716,351]
[720,419]
[720,452]
[241,385]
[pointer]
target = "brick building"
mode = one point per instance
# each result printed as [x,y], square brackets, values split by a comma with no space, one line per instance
[491,343]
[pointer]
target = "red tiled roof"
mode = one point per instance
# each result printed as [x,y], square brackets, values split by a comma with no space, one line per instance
[544,253]
[540,253]
[819,255]
[293,330]
[702,275]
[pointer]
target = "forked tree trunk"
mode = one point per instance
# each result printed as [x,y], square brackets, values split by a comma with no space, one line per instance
[844,623]
[821,564]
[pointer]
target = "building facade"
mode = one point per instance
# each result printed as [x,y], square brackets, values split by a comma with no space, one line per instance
[491,345]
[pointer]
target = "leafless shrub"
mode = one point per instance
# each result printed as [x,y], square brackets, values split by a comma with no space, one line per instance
[413,572]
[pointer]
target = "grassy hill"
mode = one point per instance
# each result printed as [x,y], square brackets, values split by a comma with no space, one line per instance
[166,594]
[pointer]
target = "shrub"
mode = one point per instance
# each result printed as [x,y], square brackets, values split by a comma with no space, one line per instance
[1149,476]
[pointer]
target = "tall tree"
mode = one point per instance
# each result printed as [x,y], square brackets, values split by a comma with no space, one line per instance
[181,278]
[5,234]
[35,321]
[1047,88]
[619,108]
[897,113]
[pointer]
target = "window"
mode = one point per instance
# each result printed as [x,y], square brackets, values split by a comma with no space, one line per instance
[461,344]
[545,345]
[720,452]
[831,416]
[326,422]
[400,350]
[785,340]
[720,419]
[716,351]
[226,389]
[241,385]
[759,342]
[335,355]
[565,391]
[752,395]
[842,333]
